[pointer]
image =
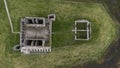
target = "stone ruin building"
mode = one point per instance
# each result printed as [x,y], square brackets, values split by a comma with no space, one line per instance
[35,34]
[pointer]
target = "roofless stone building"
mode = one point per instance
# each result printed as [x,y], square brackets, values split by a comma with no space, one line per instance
[82,30]
[35,34]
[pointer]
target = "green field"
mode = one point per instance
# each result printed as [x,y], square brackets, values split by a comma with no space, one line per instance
[66,52]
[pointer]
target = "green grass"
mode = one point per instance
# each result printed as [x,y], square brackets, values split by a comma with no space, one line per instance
[66,51]
[81,34]
[81,26]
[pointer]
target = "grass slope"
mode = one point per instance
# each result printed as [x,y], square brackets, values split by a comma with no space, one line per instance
[65,51]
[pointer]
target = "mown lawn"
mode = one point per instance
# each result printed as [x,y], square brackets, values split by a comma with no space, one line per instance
[66,52]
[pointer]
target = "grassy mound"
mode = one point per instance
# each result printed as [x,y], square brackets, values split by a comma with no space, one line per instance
[65,51]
